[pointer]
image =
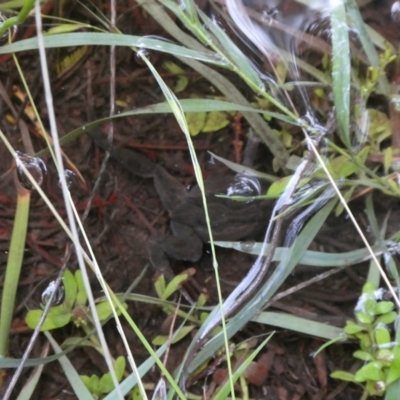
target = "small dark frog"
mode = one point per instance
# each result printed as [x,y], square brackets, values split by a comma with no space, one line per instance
[230,220]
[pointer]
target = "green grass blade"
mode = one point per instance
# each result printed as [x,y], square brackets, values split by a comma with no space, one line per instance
[110,39]
[356,18]
[34,362]
[297,324]
[13,268]
[188,105]
[366,43]
[310,257]
[180,118]
[10,5]
[341,69]
[70,372]
[242,169]
[233,53]
[27,7]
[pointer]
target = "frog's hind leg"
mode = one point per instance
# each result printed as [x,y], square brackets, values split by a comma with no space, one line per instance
[184,245]
[159,260]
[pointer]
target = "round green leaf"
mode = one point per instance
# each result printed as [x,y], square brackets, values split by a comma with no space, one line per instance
[386,319]
[382,336]
[215,121]
[159,340]
[119,367]
[196,122]
[343,375]
[364,318]
[371,371]
[56,318]
[352,328]
[363,355]
[383,307]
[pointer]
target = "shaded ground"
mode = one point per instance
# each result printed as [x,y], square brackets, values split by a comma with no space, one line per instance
[127,211]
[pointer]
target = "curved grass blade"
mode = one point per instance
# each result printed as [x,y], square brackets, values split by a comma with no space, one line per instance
[367,44]
[34,362]
[284,269]
[242,169]
[232,52]
[27,7]
[310,257]
[188,105]
[110,39]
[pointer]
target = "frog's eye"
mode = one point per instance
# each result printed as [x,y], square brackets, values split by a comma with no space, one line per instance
[244,185]
[190,187]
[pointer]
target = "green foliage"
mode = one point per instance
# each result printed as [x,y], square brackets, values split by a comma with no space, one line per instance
[159,340]
[375,73]
[99,386]
[192,320]
[380,354]
[379,128]
[165,291]
[182,79]
[73,309]
[207,122]
[9,23]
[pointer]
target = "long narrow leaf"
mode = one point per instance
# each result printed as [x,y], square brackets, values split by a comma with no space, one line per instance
[14,265]
[233,53]
[310,257]
[297,324]
[341,68]
[188,105]
[110,39]
[73,377]
[281,272]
